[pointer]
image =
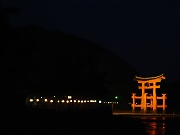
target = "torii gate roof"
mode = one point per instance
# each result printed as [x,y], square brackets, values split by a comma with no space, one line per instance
[150,78]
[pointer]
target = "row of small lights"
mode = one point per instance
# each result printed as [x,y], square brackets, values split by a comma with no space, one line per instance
[70,101]
[74,101]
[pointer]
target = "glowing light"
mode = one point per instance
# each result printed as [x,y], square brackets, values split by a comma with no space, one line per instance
[92,101]
[70,100]
[54,96]
[99,101]
[30,100]
[41,97]
[67,101]
[58,101]
[37,100]
[69,97]
[45,100]
[79,101]
[116,97]
[84,101]
[62,101]
[51,101]
[74,101]
[87,100]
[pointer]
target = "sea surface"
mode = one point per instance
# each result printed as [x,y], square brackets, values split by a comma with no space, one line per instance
[33,122]
[161,125]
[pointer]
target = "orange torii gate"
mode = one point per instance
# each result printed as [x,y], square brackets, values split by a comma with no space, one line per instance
[149,83]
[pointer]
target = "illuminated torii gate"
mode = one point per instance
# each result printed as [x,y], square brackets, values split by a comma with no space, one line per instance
[149,83]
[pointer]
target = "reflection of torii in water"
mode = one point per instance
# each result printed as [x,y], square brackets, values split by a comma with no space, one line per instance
[149,83]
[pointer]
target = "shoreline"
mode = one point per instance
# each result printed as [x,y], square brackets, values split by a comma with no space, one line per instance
[146,114]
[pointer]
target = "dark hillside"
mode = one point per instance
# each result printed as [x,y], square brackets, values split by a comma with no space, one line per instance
[40,61]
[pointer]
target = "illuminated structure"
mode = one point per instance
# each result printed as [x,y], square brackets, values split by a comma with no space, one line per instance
[149,83]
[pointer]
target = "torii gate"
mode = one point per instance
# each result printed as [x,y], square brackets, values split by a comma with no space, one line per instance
[149,83]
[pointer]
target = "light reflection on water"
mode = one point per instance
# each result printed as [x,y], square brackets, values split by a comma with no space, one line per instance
[155,126]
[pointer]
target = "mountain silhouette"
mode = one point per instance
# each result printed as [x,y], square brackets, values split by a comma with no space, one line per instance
[40,61]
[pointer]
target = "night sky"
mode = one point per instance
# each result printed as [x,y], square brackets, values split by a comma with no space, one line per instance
[146,33]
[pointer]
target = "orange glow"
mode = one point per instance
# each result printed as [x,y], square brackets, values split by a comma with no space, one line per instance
[152,85]
[154,126]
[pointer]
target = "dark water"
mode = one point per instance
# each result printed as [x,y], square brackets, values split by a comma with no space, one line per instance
[161,125]
[28,122]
